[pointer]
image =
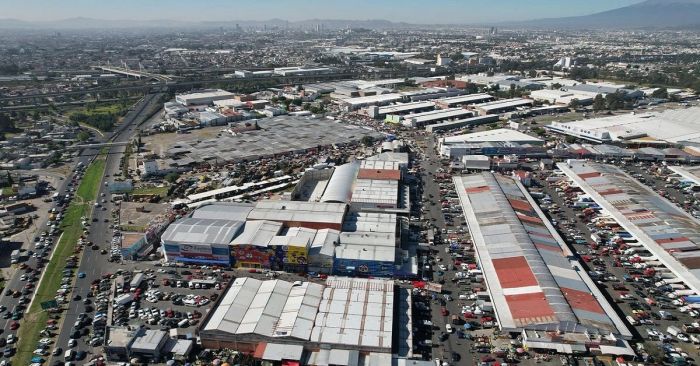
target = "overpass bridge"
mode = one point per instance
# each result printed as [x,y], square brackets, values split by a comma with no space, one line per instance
[97,145]
[135,73]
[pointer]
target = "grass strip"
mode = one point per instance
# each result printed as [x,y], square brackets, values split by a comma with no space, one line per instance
[35,319]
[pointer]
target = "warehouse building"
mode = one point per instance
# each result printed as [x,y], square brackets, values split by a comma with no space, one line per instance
[368,245]
[283,322]
[668,232]
[378,112]
[496,142]
[464,100]
[536,287]
[201,241]
[502,106]
[312,215]
[353,104]
[561,97]
[660,128]
[206,97]
[420,120]
[467,122]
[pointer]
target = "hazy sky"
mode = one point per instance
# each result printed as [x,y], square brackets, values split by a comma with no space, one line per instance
[415,11]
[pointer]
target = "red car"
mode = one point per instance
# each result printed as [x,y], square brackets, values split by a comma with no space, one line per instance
[443,311]
[14,325]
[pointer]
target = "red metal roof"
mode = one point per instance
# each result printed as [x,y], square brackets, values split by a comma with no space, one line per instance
[611,191]
[477,189]
[589,175]
[533,307]
[514,272]
[548,247]
[260,350]
[520,204]
[530,219]
[380,174]
[582,300]
[672,240]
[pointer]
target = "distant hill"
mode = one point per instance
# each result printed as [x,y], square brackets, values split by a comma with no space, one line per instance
[647,14]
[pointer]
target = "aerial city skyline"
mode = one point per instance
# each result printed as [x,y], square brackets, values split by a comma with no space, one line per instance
[438,12]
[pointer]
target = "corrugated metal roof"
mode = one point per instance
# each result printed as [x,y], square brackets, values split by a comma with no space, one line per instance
[521,253]
[202,231]
[284,211]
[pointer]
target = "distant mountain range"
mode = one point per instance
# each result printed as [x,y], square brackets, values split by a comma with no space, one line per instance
[647,14]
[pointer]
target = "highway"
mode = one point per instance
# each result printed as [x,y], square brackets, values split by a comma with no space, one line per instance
[92,260]
[188,84]
[94,264]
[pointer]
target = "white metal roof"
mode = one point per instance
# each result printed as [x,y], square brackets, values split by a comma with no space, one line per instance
[500,134]
[298,211]
[201,231]
[339,187]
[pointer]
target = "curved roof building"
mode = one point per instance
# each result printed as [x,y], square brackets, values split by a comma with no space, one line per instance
[341,184]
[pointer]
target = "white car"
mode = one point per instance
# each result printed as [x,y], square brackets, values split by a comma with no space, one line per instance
[448,328]
[442,267]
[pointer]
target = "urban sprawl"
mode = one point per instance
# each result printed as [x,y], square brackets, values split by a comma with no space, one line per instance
[345,196]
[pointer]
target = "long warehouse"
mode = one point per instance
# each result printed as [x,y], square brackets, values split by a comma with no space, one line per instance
[668,232]
[534,285]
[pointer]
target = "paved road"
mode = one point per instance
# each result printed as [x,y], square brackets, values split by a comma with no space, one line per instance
[433,213]
[92,259]
[14,283]
[94,264]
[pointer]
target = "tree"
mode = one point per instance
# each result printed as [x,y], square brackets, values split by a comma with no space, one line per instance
[574,104]
[599,103]
[555,86]
[532,73]
[570,139]
[614,101]
[83,136]
[660,93]
[171,177]
[539,131]
[367,140]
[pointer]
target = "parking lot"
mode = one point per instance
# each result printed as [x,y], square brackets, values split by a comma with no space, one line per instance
[664,325]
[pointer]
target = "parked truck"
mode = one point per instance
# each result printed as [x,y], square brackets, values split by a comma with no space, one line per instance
[123,299]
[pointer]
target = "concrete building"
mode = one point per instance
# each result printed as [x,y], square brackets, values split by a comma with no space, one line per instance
[312,215]
[660,128]
[561,97]
[206,97]
[419,120]
[502,106]
[202,241]
[464,100]
[467,122]
[476,162]
[379,112]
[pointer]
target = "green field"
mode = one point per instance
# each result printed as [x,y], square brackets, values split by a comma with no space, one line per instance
[160,191]
[35,319]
